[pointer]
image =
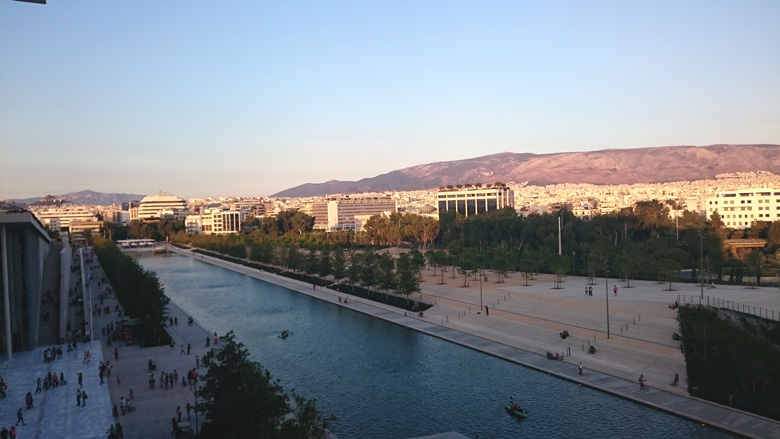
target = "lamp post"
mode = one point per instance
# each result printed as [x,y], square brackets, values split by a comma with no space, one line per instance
[480,291]
[606,289]
[701,263]
[573,255]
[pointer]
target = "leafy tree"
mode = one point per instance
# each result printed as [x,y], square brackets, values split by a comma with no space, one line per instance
[408,282]
[255,405]
[368,274]
[339,270]
[354,268]
[387,277]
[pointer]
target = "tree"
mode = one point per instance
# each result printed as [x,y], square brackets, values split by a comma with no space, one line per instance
[339,269]
[256,405]
[408,282]
[387,278]
[354,268]
[368,274]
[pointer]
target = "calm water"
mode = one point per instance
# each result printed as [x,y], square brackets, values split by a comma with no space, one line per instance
[384,381]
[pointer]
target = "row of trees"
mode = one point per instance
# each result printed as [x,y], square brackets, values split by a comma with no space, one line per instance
[138,290]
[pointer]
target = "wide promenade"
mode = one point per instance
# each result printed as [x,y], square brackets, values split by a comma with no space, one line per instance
[523,322]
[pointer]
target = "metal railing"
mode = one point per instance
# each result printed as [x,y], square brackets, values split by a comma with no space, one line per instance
[715,302]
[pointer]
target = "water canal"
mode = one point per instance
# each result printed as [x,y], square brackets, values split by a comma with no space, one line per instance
[385,381]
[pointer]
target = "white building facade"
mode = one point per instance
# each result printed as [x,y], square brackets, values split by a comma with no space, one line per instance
[475,200]
[157,207]
[738,209]
[334,214]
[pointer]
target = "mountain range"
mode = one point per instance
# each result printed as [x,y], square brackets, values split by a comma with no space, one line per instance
[83,197]
[605,167]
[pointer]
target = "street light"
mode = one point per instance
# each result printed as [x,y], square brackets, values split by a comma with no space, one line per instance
[573,255]
[701,263]
[606,289]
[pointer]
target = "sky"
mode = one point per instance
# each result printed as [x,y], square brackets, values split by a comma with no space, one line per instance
[248,97]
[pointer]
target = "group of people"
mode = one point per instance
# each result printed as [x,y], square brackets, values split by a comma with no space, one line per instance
[515,405]
[564,334]
[557,356]
[51,354]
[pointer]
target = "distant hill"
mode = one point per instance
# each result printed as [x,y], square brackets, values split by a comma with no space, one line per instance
[605,167]
[83,197]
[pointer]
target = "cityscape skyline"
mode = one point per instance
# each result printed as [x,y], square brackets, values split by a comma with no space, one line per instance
[257,98]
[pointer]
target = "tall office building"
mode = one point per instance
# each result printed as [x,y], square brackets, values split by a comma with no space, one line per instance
[738,209]
[475,200]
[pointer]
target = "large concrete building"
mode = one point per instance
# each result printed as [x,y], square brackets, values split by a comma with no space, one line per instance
[475,200]
[59,218]
[157,207]
[24,247]
[338,213]
[738,209]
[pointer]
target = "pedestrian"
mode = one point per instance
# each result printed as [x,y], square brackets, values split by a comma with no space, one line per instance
[188,407]
[100,374]
[487,311]
[119,432]
[29,400]
[116,353]
[118,380]
[646,387]
[586,290]
[197,362]
[20,417]
[580,367]
[614,288]
[38,386]
[175,377]
[173,423]
[83,399]
[590,291]
[78,398]
[81,378]
[641,382]
[178,413]
[12,433]
[188,348]
[4,433]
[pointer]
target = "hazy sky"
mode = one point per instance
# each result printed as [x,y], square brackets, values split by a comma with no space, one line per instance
[250,97]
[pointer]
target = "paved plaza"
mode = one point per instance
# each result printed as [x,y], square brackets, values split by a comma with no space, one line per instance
[522,323]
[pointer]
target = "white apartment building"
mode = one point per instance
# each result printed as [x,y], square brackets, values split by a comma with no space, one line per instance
[157,207]
[475,200]
[339,213]
[738,209]
[214,222]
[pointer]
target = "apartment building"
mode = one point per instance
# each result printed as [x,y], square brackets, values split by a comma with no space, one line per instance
[738,209]
[474,200]
[338,213]
[214,221]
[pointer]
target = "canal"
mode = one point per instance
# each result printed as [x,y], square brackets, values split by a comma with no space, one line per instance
[385,381]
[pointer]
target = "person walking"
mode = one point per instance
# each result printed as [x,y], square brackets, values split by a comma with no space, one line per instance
[615,288]
[119,432]
[83,399]
[78,398]
[12,433]
[81,380]
[642,382]
[197,362]
[580,367]
[188,348]
[38,386]
[178,413]
[188,407]
[20,417]
[116,353]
